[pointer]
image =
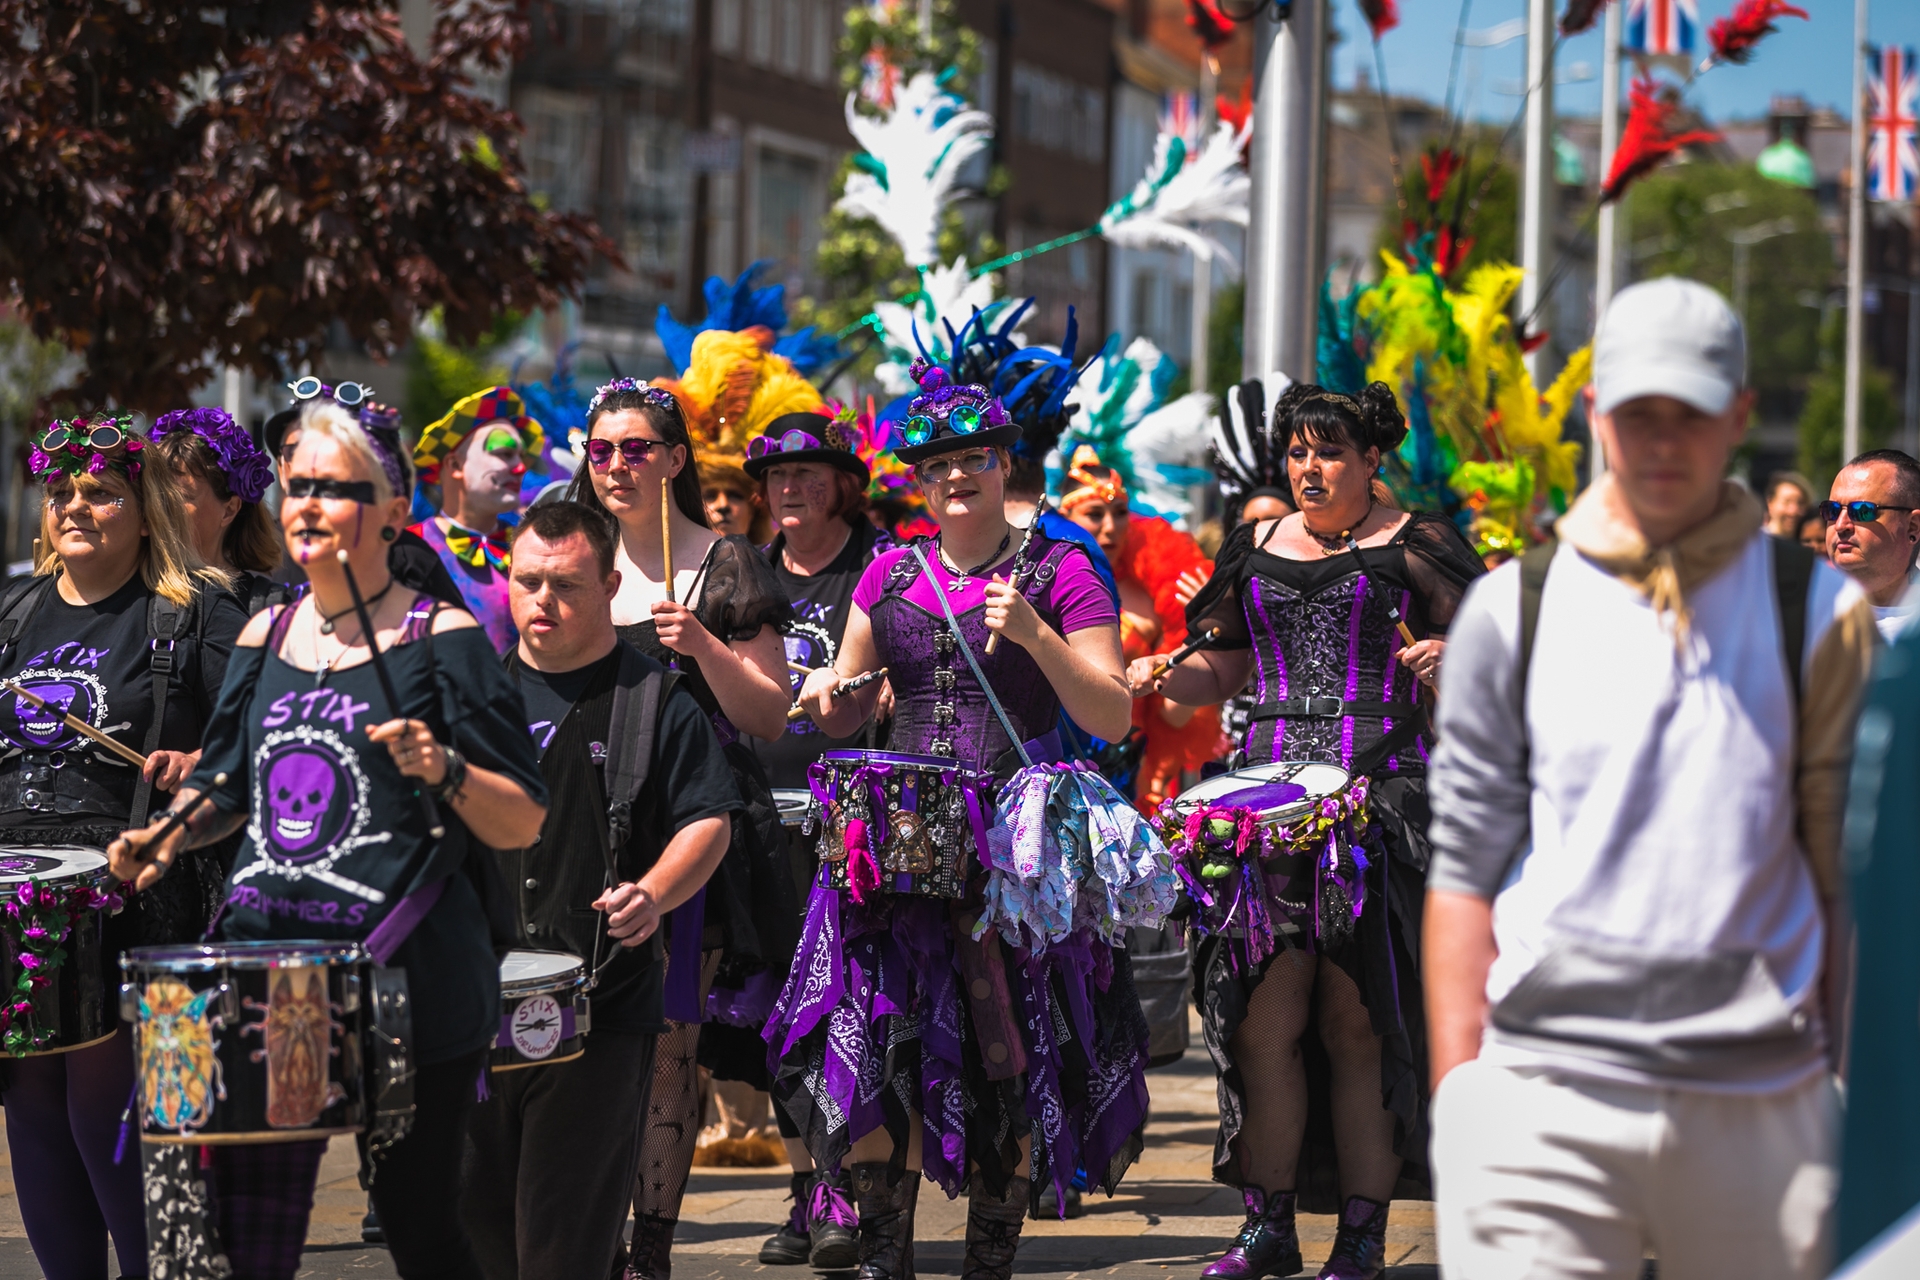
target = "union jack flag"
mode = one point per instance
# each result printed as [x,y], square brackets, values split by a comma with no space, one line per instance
[1893,156]
[1180,116]
[1661,27]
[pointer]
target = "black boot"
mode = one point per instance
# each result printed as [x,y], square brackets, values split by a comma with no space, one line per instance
[791,1244]
[886,1221]
[993,1230]
[1360,1244]
[651,1255]
[832,1221]
[1268,1243]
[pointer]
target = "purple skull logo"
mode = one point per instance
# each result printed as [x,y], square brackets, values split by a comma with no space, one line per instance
[302,783]
[42,727]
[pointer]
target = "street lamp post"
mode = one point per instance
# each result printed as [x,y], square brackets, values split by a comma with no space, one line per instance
[1856,239]
[1284,232]
[1743,241]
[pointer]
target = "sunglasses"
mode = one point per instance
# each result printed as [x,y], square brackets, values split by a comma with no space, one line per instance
[100,437]
[1862,512]
[633,450]
[965,420]
[350,394]
[935,470]
[790,442]
[360,491]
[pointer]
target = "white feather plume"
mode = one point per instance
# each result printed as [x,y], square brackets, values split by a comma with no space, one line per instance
[1175,201]
[951,298]
[1159,447]
[913,157]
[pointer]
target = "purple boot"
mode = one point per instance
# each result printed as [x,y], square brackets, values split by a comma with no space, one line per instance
[1360,1245]
[1267,1245]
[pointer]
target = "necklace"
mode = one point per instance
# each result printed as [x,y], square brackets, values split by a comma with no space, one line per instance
[327,619]
[1332,544]
[959,583]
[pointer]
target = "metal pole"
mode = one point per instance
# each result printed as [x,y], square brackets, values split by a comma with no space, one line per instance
[1537,185]
[1609,233]
[1912,441]
[1284,236]
[1856,238]
[1202,309]
[1741,248]
[232,392]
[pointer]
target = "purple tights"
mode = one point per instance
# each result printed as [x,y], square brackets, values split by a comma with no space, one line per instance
[63,1120]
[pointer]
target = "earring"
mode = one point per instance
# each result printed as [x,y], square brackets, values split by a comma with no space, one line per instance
[388,533]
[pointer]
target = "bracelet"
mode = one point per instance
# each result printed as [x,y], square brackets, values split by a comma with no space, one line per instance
[454,778]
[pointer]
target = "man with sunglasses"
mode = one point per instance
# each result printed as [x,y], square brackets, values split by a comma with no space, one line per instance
[1873,530]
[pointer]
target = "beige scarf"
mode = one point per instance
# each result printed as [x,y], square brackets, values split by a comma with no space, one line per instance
[1665,575]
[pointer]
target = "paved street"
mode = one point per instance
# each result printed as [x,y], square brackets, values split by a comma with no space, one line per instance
[1167,1220]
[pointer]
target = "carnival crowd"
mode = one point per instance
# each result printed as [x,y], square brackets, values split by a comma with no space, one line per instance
[1538,885]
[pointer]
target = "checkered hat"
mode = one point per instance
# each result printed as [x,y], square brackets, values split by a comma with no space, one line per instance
[495,404]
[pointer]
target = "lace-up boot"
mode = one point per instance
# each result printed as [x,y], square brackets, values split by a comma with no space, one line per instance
[1360,1244]
[832,1221]
[650,1257]
[993,1230]
[885,1250]
[1268,1244]
[791,1244]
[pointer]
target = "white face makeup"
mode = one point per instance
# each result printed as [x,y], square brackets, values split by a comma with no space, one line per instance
[491,462]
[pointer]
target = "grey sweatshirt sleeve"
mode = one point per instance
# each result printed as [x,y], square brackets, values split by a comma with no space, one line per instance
[1477,778]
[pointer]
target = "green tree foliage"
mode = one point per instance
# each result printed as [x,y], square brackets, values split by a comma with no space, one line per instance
[1823,420]
[1490,216]
[1678,220]
[440,372]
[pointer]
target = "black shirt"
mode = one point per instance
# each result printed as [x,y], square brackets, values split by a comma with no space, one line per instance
[335,838]
[560,876]
[821,602]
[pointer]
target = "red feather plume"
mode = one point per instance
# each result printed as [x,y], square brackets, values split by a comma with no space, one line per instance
[1645,141]
[1382,15]
[1205,20]
[1580,16]
[1734,36]
[1235,112]
[1438,167]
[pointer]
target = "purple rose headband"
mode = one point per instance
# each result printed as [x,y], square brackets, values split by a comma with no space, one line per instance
[651,394]
[71,446]
[242,462]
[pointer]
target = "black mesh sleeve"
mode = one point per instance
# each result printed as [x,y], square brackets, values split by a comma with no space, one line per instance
[1441,562]
[741,594]
[1218,603]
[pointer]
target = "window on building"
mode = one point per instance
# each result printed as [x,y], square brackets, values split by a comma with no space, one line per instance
[726,26]
[760,32]
[656,200]
[823,32]
[1053,112]
[790,201]
[562,148]
[793,36]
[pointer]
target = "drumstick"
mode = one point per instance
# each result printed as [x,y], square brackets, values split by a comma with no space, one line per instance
[80,727]
[1393,610]
[183,816]
[799,670]
[858,682]
[1019,563]
[666,532]
[1185,651]
[428,810]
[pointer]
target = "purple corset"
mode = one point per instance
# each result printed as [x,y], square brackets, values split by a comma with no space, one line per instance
[1335,641]
[939,707]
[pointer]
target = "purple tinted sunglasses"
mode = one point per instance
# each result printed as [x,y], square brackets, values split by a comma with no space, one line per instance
[633,450]
[787,442]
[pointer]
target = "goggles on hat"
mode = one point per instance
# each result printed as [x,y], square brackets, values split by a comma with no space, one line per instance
[964,419]
[793,441]
[349,394]
[99,436]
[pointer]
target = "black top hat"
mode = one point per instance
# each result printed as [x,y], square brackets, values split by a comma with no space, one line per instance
[803,437]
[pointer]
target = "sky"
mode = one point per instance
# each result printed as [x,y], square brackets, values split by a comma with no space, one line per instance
[1805,57]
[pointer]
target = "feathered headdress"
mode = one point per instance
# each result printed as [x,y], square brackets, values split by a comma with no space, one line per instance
[1732,38]
[733,386]
[1244,454]
[1159,449]
[909,165]
[740,305]
[929,326]
[1175,200]
[1032,381]
[1646,140]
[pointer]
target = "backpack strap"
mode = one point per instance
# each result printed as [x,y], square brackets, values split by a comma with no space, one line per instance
[22,600]
[1533,581]
[167,622]
[630,736]
[1792,580]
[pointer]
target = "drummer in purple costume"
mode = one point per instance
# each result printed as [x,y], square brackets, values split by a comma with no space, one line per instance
[959,1085]
[1298,1042]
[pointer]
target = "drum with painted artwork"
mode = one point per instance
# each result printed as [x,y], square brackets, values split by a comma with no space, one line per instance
[909,820]
[53,899]
[543,1010]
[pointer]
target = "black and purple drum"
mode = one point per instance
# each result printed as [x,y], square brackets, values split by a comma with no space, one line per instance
[252,1042]
[543,1004]
[907,820]
[792,802]
[53,899]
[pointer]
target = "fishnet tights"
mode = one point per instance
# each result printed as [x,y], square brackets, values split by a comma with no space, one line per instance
[1266,1047]
[672,1123]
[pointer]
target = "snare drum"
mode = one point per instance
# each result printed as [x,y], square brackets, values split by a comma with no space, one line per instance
[1278,792]
[543,1010]
[792,802]
[915,813]
[70,1008]
[249,1042]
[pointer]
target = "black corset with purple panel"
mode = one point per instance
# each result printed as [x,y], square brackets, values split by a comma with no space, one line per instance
[1326,684]
[940,708]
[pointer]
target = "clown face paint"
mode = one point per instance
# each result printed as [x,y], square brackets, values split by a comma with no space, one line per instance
[491,465]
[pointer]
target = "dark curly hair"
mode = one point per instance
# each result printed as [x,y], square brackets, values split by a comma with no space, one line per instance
[1370,420]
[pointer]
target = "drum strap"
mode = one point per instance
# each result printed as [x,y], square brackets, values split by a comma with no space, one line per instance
[166,623]
[966,651]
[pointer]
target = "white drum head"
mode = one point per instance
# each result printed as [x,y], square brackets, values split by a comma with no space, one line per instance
[528,971]
[788,799]
[1319,781]
[20,862]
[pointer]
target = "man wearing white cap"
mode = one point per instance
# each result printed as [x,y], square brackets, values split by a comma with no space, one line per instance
[1644,736]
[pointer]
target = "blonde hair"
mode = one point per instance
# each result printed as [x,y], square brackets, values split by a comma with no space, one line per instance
[252,542]
[325,418]
[169,565]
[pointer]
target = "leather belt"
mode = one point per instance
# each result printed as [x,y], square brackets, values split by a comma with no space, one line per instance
[1332,709]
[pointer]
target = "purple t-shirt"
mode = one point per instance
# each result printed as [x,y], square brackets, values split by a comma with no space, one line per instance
[1077,593]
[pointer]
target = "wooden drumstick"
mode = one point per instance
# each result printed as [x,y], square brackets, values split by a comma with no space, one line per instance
[1393,610]
[666,533]
[1185,651]
[858,682]
[80,727]
[182,816]
[799,670]
[428,809]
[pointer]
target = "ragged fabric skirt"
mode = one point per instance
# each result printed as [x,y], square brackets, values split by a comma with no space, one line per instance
[874,1028]
[1382,957]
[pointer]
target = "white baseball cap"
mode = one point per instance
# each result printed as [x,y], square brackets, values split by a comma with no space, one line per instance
[1669,337]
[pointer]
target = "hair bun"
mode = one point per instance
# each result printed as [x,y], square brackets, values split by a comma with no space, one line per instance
[1380,416]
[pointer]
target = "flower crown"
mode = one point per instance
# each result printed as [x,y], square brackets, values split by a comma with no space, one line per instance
[242,461]
[940,396]
[71,446]
[651,394]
